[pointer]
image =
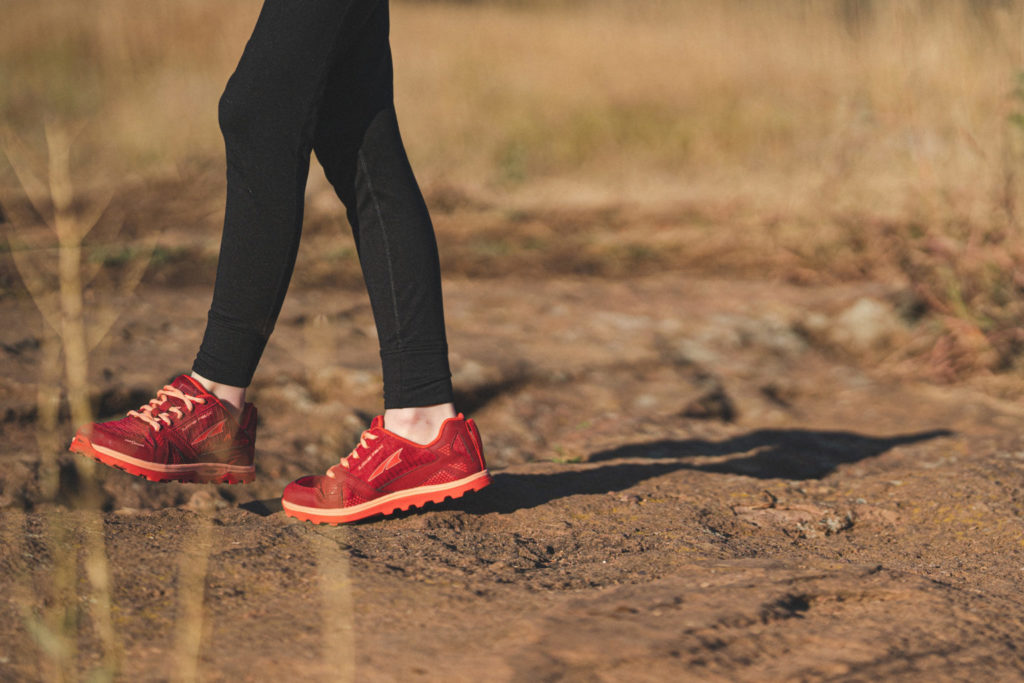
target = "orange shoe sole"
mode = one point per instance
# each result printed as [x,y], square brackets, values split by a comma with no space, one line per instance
[206,472]
[391,503]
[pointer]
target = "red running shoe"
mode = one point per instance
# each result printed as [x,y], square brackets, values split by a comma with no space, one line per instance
[184,434]
[386,473]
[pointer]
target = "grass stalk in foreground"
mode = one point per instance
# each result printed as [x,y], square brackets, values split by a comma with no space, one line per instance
[184,666]
[65,317]
[338,640]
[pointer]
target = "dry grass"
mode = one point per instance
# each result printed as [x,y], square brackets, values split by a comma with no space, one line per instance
[879,138]
[783,99]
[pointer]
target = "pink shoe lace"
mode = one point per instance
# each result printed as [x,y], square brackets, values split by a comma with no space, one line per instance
[354,455]
[146,412]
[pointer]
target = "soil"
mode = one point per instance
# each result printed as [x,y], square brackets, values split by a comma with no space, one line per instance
[700,474]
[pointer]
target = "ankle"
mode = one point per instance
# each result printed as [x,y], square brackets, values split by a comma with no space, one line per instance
[420,424]
[233,398]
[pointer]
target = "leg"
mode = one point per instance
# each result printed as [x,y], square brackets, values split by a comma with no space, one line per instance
[267,115]
[358,142]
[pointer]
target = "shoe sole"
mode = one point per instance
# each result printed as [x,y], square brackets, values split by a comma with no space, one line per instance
[391,503]
[204,473]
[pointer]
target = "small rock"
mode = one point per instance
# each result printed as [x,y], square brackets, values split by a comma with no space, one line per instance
[714,404]
[867,325]
[834,524]
[871,513]
[689,352]
[204,501]
[645,402]
[772,333]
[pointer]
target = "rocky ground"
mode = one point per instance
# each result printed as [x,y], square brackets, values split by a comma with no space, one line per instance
[701,473]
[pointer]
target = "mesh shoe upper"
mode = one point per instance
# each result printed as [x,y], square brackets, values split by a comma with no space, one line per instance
[384,463]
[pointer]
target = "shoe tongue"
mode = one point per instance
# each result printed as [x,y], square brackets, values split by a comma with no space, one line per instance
[189,386]
[378,422]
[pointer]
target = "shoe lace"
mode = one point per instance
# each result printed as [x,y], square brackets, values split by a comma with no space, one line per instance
[157,420]
[354,455]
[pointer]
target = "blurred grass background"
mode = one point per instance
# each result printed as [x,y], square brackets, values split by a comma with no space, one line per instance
[893,99]
[810,140]
[871,139]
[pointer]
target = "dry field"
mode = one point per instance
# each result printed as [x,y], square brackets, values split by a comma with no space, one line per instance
[734,292]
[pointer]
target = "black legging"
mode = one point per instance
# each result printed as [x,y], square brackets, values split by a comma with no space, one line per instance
[316,75]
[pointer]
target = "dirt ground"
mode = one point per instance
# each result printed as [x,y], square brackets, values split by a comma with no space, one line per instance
[704,470]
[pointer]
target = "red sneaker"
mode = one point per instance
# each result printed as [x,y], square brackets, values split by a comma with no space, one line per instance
[184,434]
[386,473]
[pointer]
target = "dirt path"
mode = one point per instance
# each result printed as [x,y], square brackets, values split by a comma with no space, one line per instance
[690,485]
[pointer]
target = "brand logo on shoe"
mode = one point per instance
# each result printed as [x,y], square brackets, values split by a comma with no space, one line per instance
[212,431]
[391,461]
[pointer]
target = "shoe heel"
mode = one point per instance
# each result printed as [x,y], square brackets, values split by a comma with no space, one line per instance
[474,435]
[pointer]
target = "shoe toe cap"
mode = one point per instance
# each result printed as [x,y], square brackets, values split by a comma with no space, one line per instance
[108,436]
[305,490]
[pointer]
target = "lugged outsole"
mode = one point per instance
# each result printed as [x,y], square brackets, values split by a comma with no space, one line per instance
[415,498]
[82,446]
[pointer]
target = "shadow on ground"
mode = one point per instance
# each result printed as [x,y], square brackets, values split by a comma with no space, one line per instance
[774,453]
[795,454]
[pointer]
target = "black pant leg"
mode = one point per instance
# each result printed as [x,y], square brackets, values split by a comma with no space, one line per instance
[358,143]
[268,115]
